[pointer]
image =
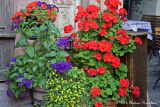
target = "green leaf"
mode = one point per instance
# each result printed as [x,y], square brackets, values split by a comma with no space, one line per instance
[108,91]
[30,51]
[13,85]
[37,47]
[53,61]
[30,77]
[13,75]
[34,68]
[19,79]
[35,84]
[6,72]
[121,53]
[43,27]
[92,62]
[64,53]
[47,44]
[55,29]
[20,70]
[25,58]
[22,40]
[51,54]
[17,93]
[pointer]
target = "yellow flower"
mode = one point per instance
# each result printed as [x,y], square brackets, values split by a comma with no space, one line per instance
[47,81]
[70,79]
[62,82]
[79,86]
[55,70]
[35,104]
[87,94]
[75,76]
[56,75]
[75,67]
[65,96]
[66,99]
[80,93]
[70,92]
[55,100]
[62,79]
[53,73]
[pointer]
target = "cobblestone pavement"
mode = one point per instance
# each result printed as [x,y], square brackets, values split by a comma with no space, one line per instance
[154,95]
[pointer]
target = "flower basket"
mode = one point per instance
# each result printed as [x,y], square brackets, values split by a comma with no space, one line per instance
[38,93]
[110,103]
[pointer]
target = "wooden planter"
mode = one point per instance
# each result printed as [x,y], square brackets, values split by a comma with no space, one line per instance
[110,103]
[137,71]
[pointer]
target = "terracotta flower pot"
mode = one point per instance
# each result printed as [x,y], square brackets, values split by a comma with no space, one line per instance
[110,103]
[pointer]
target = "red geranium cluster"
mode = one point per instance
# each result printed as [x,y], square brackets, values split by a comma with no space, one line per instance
[98,104]
[95,91]
[33,6]
[108,17]
[138,40]
[125,85]
[68,28]
[91,72]
[91,12]
[123,38]
[115,61]
[113,6]
[136,91]
[86,24]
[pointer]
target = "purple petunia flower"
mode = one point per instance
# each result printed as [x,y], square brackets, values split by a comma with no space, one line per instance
[9,93]
[20,84]
[49,6]
[47,29]
[14,59]
[19,21]
[63,42]
[61,66]
[44,72]
[20,76]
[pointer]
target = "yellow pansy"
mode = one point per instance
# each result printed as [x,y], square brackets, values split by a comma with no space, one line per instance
[75,76]
[75,67]
[53,73]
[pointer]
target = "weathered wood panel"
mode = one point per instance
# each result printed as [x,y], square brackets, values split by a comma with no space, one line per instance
[137,71]
[7,43]
[6,12]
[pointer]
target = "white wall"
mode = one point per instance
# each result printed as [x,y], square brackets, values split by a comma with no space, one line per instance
[148,7]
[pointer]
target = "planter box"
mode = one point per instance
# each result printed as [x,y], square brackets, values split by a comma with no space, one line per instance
[137,70]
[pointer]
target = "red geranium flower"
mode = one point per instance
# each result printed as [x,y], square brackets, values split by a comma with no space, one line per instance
[124,83]
[102,70]
[111,38]
[68,58]
[138,40]
[97,1]
[136,91]
[68,28]
[43,6]
[98,104]
[73,34]
[122,92]
[98,56]
[95,91]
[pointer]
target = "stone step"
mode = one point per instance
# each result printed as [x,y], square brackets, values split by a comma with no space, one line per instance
[5,101]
